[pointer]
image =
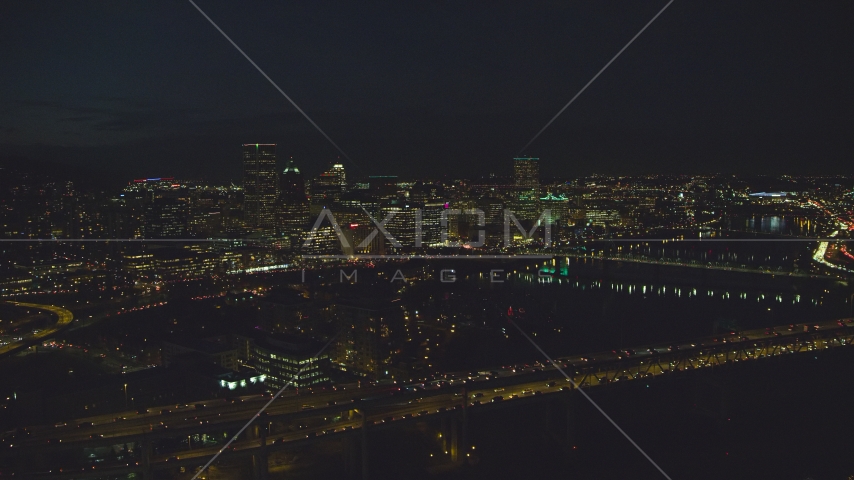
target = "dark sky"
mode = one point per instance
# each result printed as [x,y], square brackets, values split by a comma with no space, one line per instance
[433,88]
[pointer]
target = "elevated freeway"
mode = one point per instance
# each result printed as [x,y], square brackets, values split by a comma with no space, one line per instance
[349,414]
[64,319]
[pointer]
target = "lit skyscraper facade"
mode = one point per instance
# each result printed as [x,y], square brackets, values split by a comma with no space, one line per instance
[260,185]
[402,224]
[166,218]
[431,223]
[327,188]
[526,172]
[292,181]
[293,213]
[336,176]
[558,208]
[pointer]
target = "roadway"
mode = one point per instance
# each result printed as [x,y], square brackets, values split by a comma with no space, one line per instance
[64,318]
[310,417]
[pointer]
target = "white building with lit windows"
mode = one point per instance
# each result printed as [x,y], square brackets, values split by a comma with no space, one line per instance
[282,360]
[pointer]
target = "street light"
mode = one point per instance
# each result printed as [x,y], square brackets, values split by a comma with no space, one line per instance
[126,396]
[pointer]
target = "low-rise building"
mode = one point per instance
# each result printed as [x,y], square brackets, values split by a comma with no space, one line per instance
[290,360]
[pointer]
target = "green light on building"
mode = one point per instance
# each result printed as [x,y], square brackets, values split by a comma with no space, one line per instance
[551,197]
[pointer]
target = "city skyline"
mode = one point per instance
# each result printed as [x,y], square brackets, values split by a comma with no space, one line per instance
[365,292]
[434,240]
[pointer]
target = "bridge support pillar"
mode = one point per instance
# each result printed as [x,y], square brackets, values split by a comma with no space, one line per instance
[571,407]
[364,445]
[562,421]
[454,447]
[547,417]
[145,458]
[260,463]
[464,425]
[710,396]
[350,456]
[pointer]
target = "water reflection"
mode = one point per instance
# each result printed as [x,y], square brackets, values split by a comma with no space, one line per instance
[773,224]
[663,290]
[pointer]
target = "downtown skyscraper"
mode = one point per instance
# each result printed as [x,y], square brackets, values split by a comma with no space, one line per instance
[260,185]
[526,175]
[526,172]
[294,207]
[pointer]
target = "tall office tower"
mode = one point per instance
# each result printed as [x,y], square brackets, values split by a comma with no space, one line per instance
[526,172]
[493,208]
[402,224]
[166,217]
[293,212]
[326,189]
[558,207]
[291,180]
[260,185]
[323,241]
[337,175]
[431,223]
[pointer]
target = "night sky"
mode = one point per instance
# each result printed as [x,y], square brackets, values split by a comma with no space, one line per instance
[433,88]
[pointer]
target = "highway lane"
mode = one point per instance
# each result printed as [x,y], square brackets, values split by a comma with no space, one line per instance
[64,318]
[315,431]
[218,411]
[408,409]
[187,415]
[390,410]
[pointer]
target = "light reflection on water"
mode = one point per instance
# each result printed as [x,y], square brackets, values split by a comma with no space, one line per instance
[664,290]
[581,314]
[774,224]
